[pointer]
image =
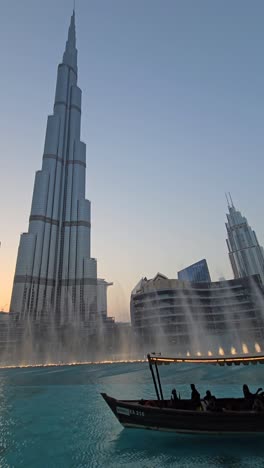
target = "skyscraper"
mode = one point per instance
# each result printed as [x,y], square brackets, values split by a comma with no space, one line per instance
[245,253]
[55,275]
[197,272]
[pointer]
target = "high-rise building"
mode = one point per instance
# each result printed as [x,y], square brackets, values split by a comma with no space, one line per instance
[245,253]
[170,314]
[197,273]
[55,275]
[102,287]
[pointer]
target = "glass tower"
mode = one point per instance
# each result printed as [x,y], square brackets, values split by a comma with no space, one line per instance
[196,273]
[55,274]
[245,253]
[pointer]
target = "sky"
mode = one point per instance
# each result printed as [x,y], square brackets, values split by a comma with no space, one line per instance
[172,117]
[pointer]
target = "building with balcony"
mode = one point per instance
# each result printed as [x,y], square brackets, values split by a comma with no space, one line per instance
[181,316]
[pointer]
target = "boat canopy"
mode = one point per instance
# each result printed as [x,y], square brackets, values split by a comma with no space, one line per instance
[221,361]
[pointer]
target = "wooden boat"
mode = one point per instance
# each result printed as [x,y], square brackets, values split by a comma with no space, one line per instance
[230,415]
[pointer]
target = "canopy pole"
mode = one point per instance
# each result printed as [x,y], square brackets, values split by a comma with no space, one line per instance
[158,377]
[153,377]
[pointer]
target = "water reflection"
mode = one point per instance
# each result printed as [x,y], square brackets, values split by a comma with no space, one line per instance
[166,449]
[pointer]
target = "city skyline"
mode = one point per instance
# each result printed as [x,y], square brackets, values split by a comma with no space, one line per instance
[165,148]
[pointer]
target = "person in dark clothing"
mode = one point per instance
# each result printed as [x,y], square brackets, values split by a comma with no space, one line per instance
[195,397]
[249,397]
[258,404]
[247,393]
[174,395]
[208,396]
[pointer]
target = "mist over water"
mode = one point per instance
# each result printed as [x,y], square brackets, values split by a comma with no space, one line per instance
[184,320]
[229,328]
[30,343]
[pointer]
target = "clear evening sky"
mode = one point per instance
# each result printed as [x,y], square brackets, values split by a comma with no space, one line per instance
[173,116]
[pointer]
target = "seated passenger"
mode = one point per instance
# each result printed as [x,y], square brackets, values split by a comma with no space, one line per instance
[248,394]
[249,397]
[195,397]
[208,396]
[258,404]
[210,401]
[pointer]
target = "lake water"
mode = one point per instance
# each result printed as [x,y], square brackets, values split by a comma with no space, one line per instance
[56,417]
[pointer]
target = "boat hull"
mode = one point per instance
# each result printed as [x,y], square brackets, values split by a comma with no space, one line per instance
[131,414]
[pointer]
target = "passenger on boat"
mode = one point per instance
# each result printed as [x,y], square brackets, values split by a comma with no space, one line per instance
[174,396]
[195,396]
[210,401]
[208,396]
[247,393]
[249,397]
[258,404]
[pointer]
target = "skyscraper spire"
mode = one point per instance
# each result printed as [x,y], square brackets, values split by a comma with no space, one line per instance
[70,54]
[55,274]
[245,253]
[231,200]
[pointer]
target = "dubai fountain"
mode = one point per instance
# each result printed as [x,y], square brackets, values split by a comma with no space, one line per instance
[207,319]
[53,311]
[54,315]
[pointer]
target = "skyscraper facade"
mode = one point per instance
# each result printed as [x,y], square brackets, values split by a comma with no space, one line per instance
[197,272]
[55,274]
[245,253]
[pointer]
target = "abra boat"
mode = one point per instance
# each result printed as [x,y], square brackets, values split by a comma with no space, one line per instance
[230,415]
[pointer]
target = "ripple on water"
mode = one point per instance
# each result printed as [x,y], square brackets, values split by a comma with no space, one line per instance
[59,419]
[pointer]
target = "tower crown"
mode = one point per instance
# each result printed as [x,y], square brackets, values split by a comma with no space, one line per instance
[70,54]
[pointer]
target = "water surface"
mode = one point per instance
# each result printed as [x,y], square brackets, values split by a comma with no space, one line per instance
[56,417]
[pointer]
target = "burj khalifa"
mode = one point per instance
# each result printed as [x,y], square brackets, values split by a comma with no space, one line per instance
[55,275]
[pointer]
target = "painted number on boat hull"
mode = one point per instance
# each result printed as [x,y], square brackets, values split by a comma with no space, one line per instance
[129,412]
[136,412]
[121,410]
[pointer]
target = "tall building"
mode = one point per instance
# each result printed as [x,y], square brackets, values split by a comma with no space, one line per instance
[102,287]
[55,275]
[197,273]
[170,315]
[245,253]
